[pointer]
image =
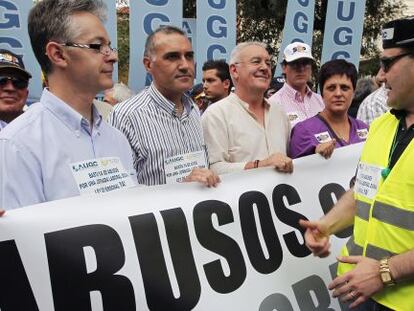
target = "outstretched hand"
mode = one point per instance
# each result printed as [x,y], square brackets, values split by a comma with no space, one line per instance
[316,237]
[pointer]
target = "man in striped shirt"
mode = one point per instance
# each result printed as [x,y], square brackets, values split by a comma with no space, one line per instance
[162,123]
[375,104]
[295,97]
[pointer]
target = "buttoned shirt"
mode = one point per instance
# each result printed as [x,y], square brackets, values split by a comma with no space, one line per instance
[234,137]
[373,106]
[297,108]
[38,148]
[156,132]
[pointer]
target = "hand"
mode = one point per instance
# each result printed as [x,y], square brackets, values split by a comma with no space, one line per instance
[281,162]
[2,211]
[358,284]
[204,176]
[326,149]
[316,237]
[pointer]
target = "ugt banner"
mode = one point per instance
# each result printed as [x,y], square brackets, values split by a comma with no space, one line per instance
[343,30]
[298,26]
[14,37]
[145,17]
[179,247]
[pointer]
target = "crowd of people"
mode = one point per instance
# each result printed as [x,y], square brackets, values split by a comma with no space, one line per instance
[233,121]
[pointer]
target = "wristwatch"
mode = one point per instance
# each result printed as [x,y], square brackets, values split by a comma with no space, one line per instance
[385,272]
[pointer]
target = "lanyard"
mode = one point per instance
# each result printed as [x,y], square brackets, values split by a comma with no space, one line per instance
[386,171]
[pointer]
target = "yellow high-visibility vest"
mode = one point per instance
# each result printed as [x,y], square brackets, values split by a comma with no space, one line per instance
[384,223]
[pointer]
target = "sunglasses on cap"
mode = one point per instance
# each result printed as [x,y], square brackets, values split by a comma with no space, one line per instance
[18,83]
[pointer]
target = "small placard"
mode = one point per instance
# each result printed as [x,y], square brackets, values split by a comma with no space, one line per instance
[101,175]
[180,166]
[367,180]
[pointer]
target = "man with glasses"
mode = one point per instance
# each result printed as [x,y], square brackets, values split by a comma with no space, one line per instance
[296,98]
[243,131]
[58,147]
[14,80]
[376,269]
[162,123]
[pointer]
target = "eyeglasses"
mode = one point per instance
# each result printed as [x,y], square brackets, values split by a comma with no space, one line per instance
[297,64]
[104,49]
[17,82]
[256,62]
[387,62]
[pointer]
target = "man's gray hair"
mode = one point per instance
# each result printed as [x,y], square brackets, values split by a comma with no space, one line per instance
[51,20]
[121,92]
[235,53]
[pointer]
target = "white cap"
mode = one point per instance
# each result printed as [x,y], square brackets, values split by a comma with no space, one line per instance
[297,50]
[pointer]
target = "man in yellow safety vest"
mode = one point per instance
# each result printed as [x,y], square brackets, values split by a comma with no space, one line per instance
[376,267]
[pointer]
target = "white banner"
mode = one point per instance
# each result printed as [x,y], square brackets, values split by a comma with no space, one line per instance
[178,247]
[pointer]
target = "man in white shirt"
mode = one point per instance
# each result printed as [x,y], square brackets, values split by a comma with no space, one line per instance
[243,131]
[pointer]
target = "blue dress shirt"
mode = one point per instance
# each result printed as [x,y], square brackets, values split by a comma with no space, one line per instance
[36,150]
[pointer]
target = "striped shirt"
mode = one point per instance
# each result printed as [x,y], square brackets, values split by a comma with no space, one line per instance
[297,108]
[155,131]
[373,106]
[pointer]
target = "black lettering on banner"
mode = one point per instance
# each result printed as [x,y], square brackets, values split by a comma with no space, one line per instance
[276,302]
[221,244]
[158,290]
[247,203]
[316,285]
[15,290]
[71,284]
[290,218]
[327,202]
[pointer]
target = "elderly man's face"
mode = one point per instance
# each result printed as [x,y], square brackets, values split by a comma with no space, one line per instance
[253,70]
[171,64]
[13,93]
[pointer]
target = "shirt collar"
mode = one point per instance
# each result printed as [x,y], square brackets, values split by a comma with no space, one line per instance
[73,119]
[167,104]
[294,93]
[399,114]
[233,97]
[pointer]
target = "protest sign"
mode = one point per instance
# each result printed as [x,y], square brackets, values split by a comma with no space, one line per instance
[179,247]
